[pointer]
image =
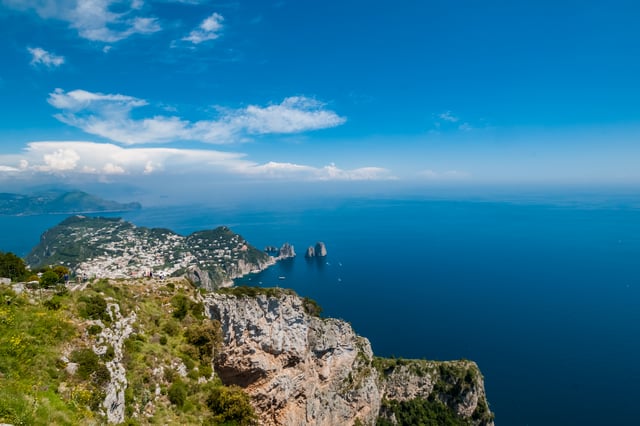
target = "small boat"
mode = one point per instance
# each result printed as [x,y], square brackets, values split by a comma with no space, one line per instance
[281,278]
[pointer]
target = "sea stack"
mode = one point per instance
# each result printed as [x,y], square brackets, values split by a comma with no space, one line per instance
[286,251]
[321,249]
[310,252]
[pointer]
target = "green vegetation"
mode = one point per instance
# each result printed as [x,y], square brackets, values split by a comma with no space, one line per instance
[311,307]
[420,412]
[230,406]
[11,266]
[39,387]
[246,291]
[452,381]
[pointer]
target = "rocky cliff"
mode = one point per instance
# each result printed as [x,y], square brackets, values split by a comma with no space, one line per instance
[302,369]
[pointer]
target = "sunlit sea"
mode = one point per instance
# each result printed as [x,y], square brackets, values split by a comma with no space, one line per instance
[546,299]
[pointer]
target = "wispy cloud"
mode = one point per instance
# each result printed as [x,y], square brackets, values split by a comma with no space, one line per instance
[443,176]
[448,116]
[39,56]
[94,20]
[447,120]
[209,29]
[104,159]
[109,116]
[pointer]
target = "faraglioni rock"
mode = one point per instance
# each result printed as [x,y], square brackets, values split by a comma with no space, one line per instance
[311,252]
[300,369]
[286,251]
[320,250]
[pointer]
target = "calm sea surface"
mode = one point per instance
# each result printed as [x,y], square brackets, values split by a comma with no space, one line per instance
[545,299]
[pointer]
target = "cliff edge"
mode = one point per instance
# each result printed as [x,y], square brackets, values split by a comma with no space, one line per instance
[302,369]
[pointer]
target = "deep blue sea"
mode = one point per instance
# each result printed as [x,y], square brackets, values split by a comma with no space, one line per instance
[545,298]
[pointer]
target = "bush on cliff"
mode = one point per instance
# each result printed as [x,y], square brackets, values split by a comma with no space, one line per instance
[230,405]
[419,411]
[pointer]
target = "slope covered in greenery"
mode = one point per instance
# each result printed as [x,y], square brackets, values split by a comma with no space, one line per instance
[52,374]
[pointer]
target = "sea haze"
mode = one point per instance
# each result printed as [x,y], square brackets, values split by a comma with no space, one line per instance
[544,297]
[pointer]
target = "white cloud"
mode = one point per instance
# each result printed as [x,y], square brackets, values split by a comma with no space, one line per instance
[93,19]
[81,99]
[40,56]
[8,169]
[108,116]
[448,116]
[294,114]
[104,159]
[60,160]
[209,29]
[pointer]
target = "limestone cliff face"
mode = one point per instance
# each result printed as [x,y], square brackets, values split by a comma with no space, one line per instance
[296,367]
[303,370]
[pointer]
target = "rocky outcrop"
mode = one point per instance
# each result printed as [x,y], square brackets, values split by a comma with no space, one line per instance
[297,368]
[199,277]
[311,252]
[319,250]
[286,251]
[301,369]
[114,336]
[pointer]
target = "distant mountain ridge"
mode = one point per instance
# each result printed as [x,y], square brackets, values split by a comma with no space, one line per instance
[59,202]
[113,248]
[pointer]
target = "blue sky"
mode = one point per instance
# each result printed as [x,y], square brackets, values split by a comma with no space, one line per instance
[167,93]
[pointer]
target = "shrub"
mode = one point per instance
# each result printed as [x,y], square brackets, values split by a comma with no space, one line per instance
[180,304]
[230,405]
[49,279]
[93,307]
[94,329]
[177,393]
[419,411]
[171,327]
[87,360]
[53,304]
[311,307]
[205,337]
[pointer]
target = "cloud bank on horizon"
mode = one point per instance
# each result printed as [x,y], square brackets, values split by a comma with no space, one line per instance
[109,160]
[113,89]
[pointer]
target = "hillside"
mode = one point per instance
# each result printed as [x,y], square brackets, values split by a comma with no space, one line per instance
[156,352]
[59,202]
[98,247]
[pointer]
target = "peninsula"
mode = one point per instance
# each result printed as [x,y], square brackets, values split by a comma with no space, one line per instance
[59,202]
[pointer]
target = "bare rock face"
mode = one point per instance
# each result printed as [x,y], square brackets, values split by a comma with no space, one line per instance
[115,335]
[298,369]
[311,252]
[321,249]
[286,251]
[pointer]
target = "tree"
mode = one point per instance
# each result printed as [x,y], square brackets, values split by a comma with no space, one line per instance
[11,266]
[61,271]
[49,279]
